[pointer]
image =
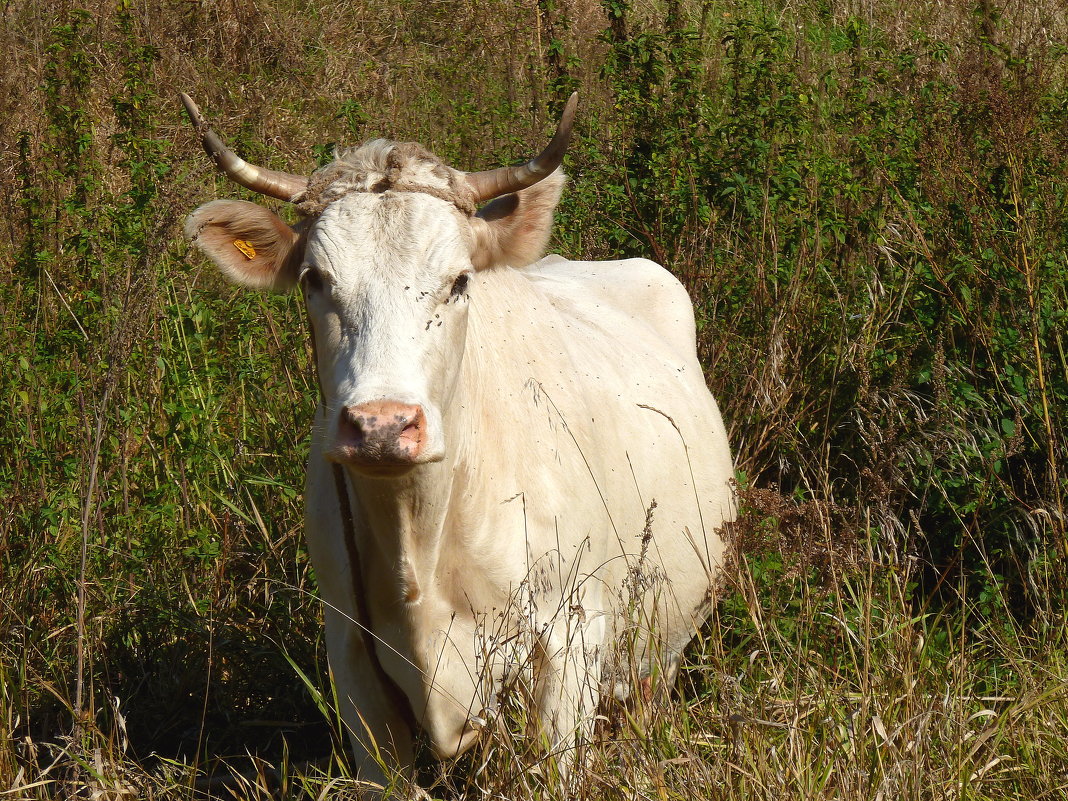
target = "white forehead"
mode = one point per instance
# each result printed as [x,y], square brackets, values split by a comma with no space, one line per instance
[389,233]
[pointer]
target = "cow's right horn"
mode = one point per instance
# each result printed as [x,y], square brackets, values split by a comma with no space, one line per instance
[489,184]
[281,185]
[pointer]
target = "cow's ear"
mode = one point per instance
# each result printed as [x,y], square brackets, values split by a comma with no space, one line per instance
[514,229]
[249,243]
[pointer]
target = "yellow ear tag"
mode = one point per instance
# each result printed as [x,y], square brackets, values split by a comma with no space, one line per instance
[246,248]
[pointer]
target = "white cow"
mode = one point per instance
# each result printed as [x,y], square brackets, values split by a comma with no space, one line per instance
[517,473]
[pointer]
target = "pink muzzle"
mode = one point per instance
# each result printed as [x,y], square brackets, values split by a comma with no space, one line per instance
[381,437]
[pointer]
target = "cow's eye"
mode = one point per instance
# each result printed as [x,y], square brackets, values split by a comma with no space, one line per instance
[311,279]
[459,286]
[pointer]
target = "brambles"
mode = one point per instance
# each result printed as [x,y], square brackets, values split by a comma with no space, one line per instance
[868,237]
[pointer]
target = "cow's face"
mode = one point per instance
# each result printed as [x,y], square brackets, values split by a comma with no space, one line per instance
[387,278]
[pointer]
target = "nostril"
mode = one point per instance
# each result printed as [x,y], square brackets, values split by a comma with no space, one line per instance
[352,427]
[411,436]
[415,420]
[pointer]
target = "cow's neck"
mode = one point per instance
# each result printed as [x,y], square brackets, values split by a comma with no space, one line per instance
[404,520]
[407,520]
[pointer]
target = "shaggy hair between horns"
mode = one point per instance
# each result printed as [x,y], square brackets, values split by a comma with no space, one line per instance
[380,165]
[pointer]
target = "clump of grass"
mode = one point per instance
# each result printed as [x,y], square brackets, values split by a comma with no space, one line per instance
[836,687]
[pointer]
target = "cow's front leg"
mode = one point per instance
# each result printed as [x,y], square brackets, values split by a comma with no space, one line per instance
[380,735]
[567,686]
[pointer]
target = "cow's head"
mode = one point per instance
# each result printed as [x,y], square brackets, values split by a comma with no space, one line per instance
[385,257]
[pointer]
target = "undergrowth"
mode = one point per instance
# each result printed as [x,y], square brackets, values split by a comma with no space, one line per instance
[868,205]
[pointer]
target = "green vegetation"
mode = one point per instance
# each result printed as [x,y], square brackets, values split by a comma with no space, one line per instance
[869,204]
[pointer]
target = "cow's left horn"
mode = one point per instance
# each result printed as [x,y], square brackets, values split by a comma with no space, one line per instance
[282,185]
[489,184]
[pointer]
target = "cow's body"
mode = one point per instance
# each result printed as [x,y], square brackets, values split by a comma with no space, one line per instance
[562,435]
[534,473]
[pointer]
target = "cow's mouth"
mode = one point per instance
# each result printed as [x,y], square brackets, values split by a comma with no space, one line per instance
[377,459]
[373,469]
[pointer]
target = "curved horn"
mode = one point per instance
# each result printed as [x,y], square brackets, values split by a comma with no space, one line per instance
[489,184]
[281,185]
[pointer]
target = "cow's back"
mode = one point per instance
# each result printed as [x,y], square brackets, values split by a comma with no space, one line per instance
[641,289]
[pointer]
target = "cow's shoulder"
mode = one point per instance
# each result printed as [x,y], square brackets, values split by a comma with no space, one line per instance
[639,290]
